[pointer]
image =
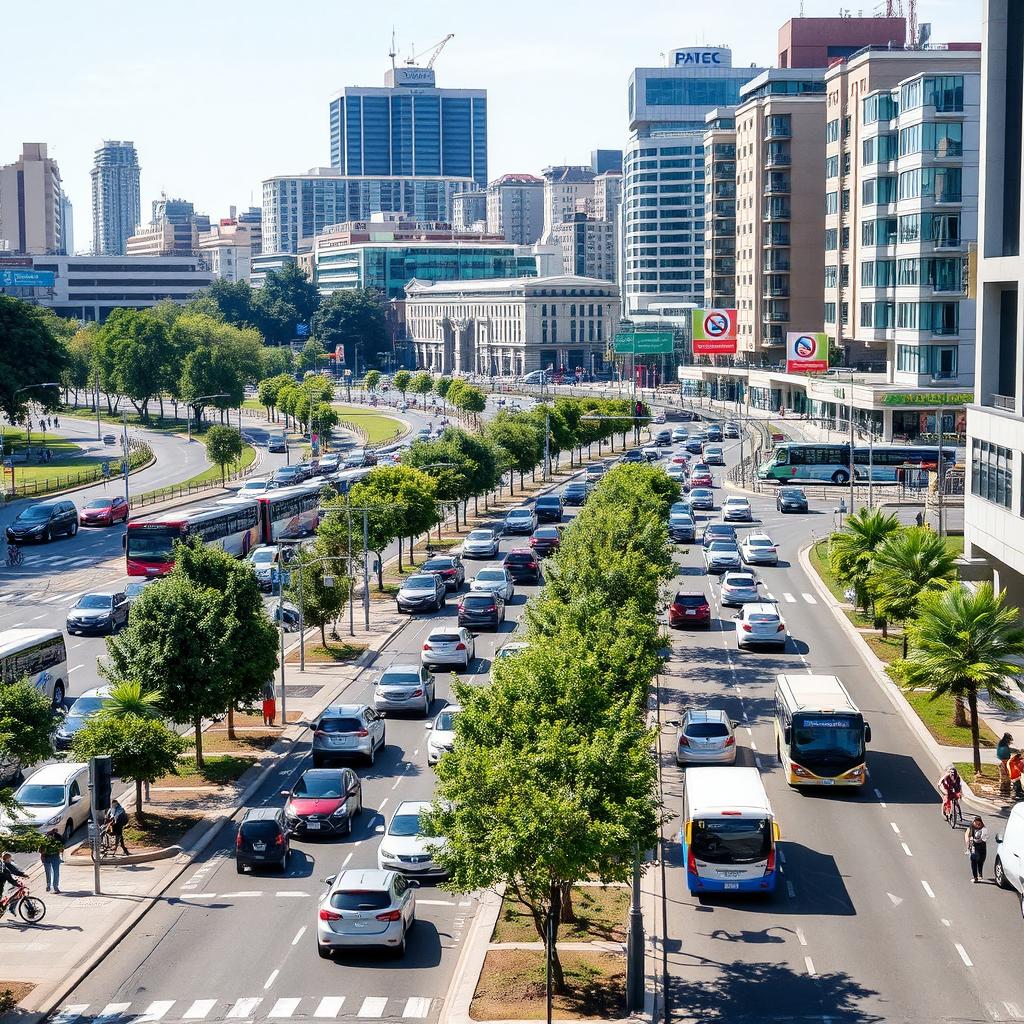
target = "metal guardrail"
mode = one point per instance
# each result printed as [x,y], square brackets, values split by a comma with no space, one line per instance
[140,453]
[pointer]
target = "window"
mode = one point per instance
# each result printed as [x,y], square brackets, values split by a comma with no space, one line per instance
[831,277]
[830,312]
[943,184]
[879,107]
[879,150]
[832,131]
[692,92]
[831,239]
[992,472]
[880,315]
[943,92]
[940,138]
[941,229]
[831,167]
[831,203]
[878,232]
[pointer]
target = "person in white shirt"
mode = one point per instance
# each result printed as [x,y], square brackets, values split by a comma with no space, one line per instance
[976,838]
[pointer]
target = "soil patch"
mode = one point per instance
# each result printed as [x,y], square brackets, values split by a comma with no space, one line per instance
[12,993]
[600,917]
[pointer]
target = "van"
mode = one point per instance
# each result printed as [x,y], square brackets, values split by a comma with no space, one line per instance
[1009,862]
[55,796]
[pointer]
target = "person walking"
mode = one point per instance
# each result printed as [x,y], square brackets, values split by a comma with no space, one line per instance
[51,850]
[976,838]
[1004,751]
[117,818]
[269,703]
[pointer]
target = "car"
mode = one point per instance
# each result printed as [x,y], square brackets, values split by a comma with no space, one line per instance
[481,609]
[262,840]
[791,499]
[110,439]
[705,736]
[264,560]
[681,527]
[548,508]
[651,455]
[679,459]
[55,796]
[663,438]
[659,416]
[700,476]
[574,493]
[98,613]
[277,443]
[422,592]
[680,434]
[714,455]
[633,455]
[695,446]
[423,434]
[365,908]
[133,590]
[721,555]
[442,733]
[731,430]
[760,623]
[676,472]
[595,471]
[254,488]
[683,505]
[739,588]
[345,731]
[736,508]
[759,549]
[718,531]
[703,499]
[522,565]
[1009,861]
[445,645]
[43,521]
[330,463]
[104,511]
[82,709]
[713,432]
[324,801]
[494,580]
[448,567]
[480,544]
[545,540]
[405,846]
[404,688]
[520,520]
[284,613]
[689,608]
[286,476]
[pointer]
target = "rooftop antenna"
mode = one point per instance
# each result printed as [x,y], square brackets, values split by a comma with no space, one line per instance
[392,53]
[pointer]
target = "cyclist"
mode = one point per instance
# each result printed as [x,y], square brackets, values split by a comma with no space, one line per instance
[9,874]
[951,787]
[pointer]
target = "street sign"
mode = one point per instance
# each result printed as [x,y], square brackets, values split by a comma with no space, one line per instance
[644,343]
[26,278]
[714,332]
[302,330]
[106,468]
[806,352]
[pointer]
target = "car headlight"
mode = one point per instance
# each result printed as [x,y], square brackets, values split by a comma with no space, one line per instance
[55,820]
[386,854]
[340,812]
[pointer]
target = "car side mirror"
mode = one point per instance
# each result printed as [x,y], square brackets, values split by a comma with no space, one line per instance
[867,733]
[329,880]
[286,793]
[428,726]
[412,883]
[75,799]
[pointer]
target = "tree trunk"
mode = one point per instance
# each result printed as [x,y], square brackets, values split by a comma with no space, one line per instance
[380,569]
[557,974]
[568,915]
[399,556]
[412,544]
[972,699]
[959,713]
[323,633]
[138,797]
[197,726]
[231,721]
[904,641]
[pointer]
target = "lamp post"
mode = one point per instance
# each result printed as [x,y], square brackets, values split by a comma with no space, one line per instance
[201,398]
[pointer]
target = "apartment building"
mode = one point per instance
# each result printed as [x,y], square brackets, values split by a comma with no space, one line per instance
[32,203]
[588,246]
[515,208]
[116,205]
[720,208]
[568,190]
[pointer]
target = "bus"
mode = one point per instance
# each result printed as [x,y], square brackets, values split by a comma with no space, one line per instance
[820,735]
[343,480]
[149,543]
[286,513]
[830,463]
[729,832]
[39,655]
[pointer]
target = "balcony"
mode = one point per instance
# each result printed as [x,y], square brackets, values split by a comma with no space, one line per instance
[777,128]
[723,265]
[775,313]
[777,291]
[724,208]
[1005,402]
[775,263]
[724,228]
[777,185]
[724,190]
[773,335]
[776,209]
[721,246]
[723,169]
[723,285]
[776,238]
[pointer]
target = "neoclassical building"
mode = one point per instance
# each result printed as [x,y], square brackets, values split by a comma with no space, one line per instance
[513,325]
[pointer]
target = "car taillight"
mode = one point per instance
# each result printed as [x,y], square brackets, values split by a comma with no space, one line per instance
[769,864]
[329,915]
[391,915]
[683,741]
[279,841]
[747,628]
[362,732]
[731,741]
[238,841]
[426,647]
[460,647]
[782,626]
[531,565]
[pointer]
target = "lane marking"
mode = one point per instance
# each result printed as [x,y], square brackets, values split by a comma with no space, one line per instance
[928,889]
[418,1007]
[284,1007]
[344,863]
[906,849]
[245,1007]
[197,895]
[329,1006]
[111,1012]
[1012,1009]
[810,966]
[753,745]
[199,1009]
[75,668]
[809,598]
[299,934]
[270,981]
[283,893]
[963,954]
[373,1006]
[802,938]
[895,827]
[155,1010]
[36,619]
[437,903]
[895,900]
[945,922]
[380,806]
[70,1013]
[240,895]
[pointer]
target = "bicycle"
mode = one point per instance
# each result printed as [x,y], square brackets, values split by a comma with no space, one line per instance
[953,814]
[31,909]
[14,556]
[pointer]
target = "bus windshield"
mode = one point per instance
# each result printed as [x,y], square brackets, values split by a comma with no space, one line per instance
[731,840]
[828,739]
[152,544]
[781,456]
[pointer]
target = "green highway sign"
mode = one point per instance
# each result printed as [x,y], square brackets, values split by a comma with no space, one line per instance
[650,343]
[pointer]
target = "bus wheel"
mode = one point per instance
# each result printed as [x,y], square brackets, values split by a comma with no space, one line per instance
[840,476]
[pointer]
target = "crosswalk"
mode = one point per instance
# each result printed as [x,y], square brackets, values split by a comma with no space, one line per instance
[18,597]
[809,598]
[249,1008]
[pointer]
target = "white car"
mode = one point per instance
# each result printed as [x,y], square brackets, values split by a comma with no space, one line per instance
[404,847]
[676,472]
[55,796]
[446,645]
[714,455]
[739,588]
[251,488]
[442,733]
[760,623]
[759,549]
[736,509]
[480,544]
[494,580]
[720,556]
[679,434]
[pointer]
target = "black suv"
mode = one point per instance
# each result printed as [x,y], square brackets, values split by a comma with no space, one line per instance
[574,493]
[262,840]
[791,499]
[44,522]
[548,508]
[481,609]
[522,565]
[448,567]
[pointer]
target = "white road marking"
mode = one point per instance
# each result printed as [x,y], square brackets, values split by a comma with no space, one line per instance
[329,1006]
[906,849]
[199,1009]
[895,900]
[284,1007]
[416,753]
[75,668]
[155,1010]
[753,745]
[810,966]
[397,781]
[240,895]
[945,922]
[245,1007]
[436,903]
[197,895]
[301,932]
[1012,1009]
[749,730]
[963,954]
[373,1006]
[790,891]
[70,1013]
[111,1012]
[36,618]
[801,937]
[809,598]
[927,888]
[382,803]
[344,863]
[417,1006]
[895,827]
[284,893]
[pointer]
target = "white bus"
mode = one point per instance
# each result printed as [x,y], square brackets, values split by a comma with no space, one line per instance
[820,734]
[729,831]
[40,656]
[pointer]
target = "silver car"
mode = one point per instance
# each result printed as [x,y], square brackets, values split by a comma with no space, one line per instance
[714,455]
[759,549]
[520,520]
[721,555]
[705,737]
[404,688]
[365,908]
[446,645]
[494,581]
[736,509]
[405,846]
[760,623]
[480,544]
[442,733]
[345,731]
[702,498]
[739,588]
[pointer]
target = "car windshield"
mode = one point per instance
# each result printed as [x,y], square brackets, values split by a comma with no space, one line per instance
[739,581]
[134,589]
[152,544]
[405,825]
[690,600]
[764,618]
[721,545]
[263,830]
[518,558]
[323,787]
[792,492]
[481,535]
[361,899]
[548,532]
[399,677]
[478,601]
[95,601]
[519,513]
[263,557]
[732,840]
[446,721]
[420,583]
[38,795]
[85,706]
[828,739]
[34,513]
[491,575]
[98,503]
[760,542]
[700,492]
[706,730]
[438,563]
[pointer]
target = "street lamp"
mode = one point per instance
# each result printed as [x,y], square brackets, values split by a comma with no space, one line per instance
[196,400]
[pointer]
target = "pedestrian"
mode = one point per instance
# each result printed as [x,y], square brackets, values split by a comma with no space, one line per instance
[976,838]
[919,519]
[1015,769]
[51,849]
[117,818]
[1004,751]
[269,703]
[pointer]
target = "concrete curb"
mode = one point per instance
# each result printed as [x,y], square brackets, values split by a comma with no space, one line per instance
[888,687]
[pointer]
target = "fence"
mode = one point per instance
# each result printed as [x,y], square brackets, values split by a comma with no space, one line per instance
[139,454]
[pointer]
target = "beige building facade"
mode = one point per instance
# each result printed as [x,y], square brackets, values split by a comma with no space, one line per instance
[31,203]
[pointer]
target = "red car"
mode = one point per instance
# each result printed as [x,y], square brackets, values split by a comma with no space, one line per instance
[701,480]
[104,512]
[545,540]
[690,608]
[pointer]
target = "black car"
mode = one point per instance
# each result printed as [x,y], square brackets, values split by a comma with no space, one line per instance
[634,455]
[421,593]
[98,613]
[522,565]
[663,438]
[324,802]
[574,493]
[548,508]
[719,531]
[481,609]
[448,567]
[791,499]
[262,840]
[695,446]
[43,522]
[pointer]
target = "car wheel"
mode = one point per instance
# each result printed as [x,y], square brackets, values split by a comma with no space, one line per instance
[58,695]
[239,869]
[1000,875]
[283,866]
[69,831]
[73,530]
[400,948]
[318,762]
[840,476]
[46,537]
[372,756]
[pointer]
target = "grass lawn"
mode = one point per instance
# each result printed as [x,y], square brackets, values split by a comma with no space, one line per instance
[600,916]
[886,648]
[335,652]
[218,771]
[156,831]
[512,985]
[167,425]
[819,560]
[213,472]
[937,716]
[379,428]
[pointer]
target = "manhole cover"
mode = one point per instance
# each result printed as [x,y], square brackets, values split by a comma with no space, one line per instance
[302,691]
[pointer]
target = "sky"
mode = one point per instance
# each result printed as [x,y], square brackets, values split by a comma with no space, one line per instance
[218,96]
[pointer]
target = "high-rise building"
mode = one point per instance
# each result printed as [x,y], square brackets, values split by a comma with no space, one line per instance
[31,203]
[515,208]
[116,204]
[410,127]
[226,248]
[174,229]
[67,226]
[663,173]
[994,502]
[568,190]
[604,160]
[720,209]
[588,246]
[818,42]
[252,218]
[469,210]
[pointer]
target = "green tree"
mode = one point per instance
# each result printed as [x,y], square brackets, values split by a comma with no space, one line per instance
[401,381]
[372,380]
[384,520]
[77,374]
[26,727]
[441,386]
[235,301]
[286,300]
[311,355]
[964,641]
[851,550]
[139,347]
[268,389]
[520,440]
[129,698]
[276,360]
[224,446]
[29,354]
[355,318]
[449,466]
[320,604]
[422,383]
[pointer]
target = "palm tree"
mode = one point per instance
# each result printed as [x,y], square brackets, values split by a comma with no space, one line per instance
[907,564]
[128,698]
[851,550]
[963,641]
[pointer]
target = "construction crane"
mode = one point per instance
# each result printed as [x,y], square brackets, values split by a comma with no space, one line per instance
[434,52]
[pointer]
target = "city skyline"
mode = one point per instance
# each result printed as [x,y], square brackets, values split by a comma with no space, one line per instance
[549,102]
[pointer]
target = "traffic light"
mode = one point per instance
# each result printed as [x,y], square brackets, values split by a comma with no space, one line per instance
[100,775]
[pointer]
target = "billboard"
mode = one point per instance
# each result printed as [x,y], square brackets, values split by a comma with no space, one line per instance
[714,332]
[806,352]
[26,278]
[643,343]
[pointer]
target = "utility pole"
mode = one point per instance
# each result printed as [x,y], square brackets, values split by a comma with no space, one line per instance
[280,626]
[851,442]
[366,571]
[635,945]
[124,444]
[547,444]
[940,471]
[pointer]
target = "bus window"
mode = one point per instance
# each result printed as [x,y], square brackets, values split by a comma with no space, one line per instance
[731,840]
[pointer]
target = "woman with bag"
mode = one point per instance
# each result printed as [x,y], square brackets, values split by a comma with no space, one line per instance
[976,838]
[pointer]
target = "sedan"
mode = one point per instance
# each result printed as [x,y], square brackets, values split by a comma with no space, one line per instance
[759,549]
[442,733]
[404,688]
[253,488]
[364,908]
[680,434]
[481,609]
[714,455]
[449,568]
[703,499]
[732,430]
[447,646]
[406,846]
[791,499]
[700,476]
[736,509]
[663,438]
[574,493]
[81,711]
[676,472]
[98,613]
[760,623]
[705,736]
[545,540]
[520,520]
[133,591]
[695,446]
[494,580]
[522,565]
[104,511]
[480,544]
[689,608]
[634,455]
[421,592]
[739,588]
[651,454]
[721,555]
[323,801]
[288,475]
[681,527]
[719,531]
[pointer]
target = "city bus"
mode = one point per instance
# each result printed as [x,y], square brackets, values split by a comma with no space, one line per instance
[729,832]
[820,735]
[38,655]
[149,543]
[797,461]
[286,513]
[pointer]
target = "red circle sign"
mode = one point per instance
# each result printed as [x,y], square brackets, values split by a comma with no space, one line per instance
[716,324]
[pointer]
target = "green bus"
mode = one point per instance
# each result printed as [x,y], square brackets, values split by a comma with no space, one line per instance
[797,461]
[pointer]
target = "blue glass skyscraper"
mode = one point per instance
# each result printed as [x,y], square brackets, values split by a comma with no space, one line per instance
[410,127]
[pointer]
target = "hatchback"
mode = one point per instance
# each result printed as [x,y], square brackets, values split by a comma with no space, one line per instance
[719,531]
[262,840]
[689,608]
[480,544]
[81,711]
[288,475]
[705,737]
[43,522]
[681,527]
[447,646]
[676,472]
[421,592]
[406,846]
[520,520]
[695,446]
[548,508]
[791,499]
[365,908]
[481,609]
[522,565]
[494,580]
[736,509]
[98,613]
[345,731]
[703,498]
[574,493]
[449,568]
[634,455]
[545,540]
[739,588]
[104,511]
[760,624]
[323,802]
[404,688]
[759,549]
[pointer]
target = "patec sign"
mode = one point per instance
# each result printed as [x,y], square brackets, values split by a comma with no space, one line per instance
[706,56]
[806,352]
[714,332]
